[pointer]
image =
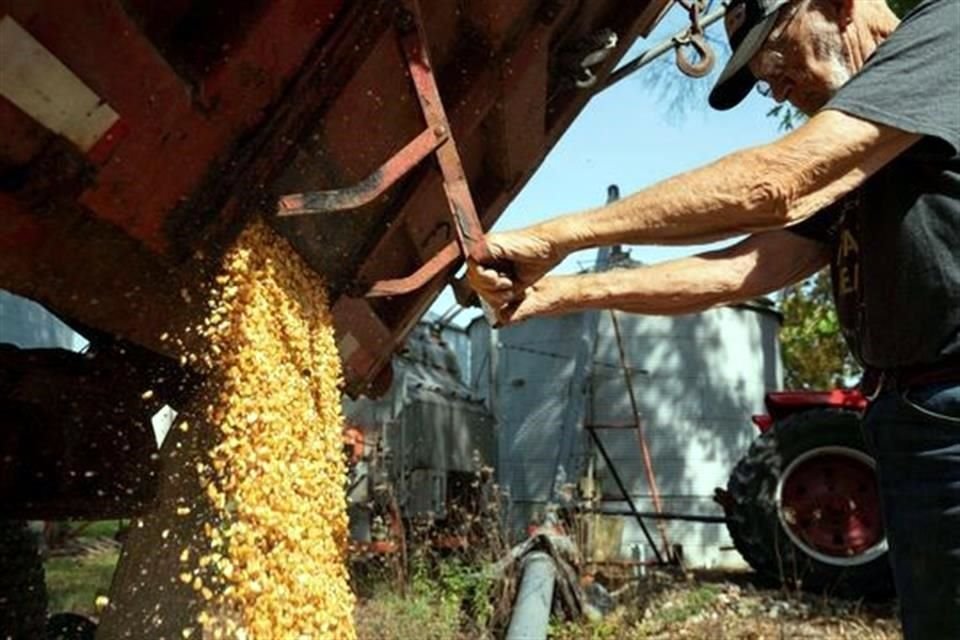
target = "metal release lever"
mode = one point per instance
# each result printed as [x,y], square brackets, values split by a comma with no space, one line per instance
[436,139]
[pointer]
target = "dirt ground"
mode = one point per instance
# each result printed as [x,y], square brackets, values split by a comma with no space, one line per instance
[730,606]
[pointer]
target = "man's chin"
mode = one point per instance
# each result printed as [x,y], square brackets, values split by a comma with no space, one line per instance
[809,104]
[806,108]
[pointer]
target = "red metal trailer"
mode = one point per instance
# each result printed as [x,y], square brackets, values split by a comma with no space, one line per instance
[139,137]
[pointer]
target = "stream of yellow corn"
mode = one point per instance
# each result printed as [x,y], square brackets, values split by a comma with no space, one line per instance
[276,565]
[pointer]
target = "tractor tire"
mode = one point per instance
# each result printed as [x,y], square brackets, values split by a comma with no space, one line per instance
[804,507]
[23,593]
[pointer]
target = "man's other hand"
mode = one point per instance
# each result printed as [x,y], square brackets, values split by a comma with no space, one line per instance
[547,296]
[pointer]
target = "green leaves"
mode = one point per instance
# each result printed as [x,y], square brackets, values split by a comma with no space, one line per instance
[815,355]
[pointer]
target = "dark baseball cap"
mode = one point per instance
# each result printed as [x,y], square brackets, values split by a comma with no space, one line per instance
[748,24]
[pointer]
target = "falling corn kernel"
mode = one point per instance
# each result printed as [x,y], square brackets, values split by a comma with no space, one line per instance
[146,395]
[183,511]
[268,322]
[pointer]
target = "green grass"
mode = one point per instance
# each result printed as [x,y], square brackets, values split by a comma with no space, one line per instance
[688,605]
[73,584]
[390,616]
[444,600]
[99,529]
[90,529]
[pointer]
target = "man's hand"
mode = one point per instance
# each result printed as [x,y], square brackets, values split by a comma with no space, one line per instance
[547,296]
[518,260]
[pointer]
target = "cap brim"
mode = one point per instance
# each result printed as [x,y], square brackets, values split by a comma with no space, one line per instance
[736,79]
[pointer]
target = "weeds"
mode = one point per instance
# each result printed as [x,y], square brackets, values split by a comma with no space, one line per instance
[445,598]
[441,586]
[393,616]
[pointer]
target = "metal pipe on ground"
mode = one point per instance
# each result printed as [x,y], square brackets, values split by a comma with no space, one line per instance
[531,611]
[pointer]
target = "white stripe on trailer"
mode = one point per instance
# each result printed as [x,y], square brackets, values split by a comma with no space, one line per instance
[39,84]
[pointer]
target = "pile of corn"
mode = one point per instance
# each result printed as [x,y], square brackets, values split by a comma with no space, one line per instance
[275,566]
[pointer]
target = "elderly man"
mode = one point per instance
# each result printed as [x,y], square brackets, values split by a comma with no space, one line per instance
[870,184]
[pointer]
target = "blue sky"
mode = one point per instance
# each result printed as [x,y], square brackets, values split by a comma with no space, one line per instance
[633,135]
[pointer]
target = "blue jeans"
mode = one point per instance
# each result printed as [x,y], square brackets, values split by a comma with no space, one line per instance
[915,437]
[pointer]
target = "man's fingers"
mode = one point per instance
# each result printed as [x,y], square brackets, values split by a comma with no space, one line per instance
[494,280]
[498,299]
[512,312]
[496,288]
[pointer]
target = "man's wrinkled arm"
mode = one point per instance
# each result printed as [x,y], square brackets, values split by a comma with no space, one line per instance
[759,189]
[756,266]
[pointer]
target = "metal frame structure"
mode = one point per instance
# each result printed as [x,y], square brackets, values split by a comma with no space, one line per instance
[592,430]
[436,139]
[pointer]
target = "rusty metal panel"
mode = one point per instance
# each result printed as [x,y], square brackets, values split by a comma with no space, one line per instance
[308,95]
[520,123]
[497,21]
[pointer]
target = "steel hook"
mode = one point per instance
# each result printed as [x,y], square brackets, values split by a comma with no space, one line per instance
[706,55]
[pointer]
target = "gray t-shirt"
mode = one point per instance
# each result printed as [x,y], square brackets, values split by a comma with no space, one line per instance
[896,239]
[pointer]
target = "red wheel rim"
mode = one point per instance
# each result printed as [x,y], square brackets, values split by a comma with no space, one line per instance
[830,506]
